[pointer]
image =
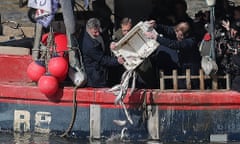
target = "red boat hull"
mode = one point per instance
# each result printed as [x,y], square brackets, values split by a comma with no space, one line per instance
[181,115]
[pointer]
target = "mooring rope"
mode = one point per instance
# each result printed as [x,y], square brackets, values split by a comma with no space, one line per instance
[74,112]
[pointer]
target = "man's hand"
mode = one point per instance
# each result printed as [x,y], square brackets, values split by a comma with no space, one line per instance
[152,23]
[121,60]
[150,35]
[226,24]
[112,45]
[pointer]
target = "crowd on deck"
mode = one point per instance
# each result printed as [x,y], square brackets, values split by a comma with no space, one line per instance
[179,36]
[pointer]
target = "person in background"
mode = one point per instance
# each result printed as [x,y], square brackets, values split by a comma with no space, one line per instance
[103,12]
[126,25]
[115,73]
[232,64]
[232,28]
[96,61]
[202,19]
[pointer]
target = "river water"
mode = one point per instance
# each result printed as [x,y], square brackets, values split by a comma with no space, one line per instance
[33,138]
[7,138]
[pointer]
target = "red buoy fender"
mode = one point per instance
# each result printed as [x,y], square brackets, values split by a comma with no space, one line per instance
[48,85]
[35,70]
[60,41]
[58,67]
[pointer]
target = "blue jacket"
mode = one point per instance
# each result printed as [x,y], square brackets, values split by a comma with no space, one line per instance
[96,62]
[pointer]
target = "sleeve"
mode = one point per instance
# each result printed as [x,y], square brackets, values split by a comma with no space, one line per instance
[167,31]
[187,43]
[97,54]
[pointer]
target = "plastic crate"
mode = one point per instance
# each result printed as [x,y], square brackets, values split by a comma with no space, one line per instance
[134,47]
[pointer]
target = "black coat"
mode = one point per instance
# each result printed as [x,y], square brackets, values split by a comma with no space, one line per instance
[166,31]
[187,48]
[188,53]
[96,62]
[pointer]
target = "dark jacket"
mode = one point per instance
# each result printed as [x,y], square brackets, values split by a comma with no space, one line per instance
[166,31]
[188,56]
[118,35]
[115,73]
[96,62]
[187,48]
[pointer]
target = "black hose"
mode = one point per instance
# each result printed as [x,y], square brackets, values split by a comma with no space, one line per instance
[74,112]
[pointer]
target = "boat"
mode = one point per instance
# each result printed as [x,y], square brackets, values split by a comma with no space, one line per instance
[166,115]
[203,115]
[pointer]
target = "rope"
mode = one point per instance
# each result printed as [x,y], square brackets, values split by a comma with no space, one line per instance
[14,25]
[74,112]
[143,108]
[45,50]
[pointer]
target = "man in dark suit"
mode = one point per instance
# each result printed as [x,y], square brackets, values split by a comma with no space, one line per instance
[180,39]
[96,61]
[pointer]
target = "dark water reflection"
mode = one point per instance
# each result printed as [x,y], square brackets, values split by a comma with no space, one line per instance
[33,138]
[17,138]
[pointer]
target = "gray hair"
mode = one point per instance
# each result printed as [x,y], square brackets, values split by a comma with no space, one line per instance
[126,21]
[93,23]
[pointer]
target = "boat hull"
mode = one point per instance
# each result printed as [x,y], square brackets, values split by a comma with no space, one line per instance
[26,109]
[160,115]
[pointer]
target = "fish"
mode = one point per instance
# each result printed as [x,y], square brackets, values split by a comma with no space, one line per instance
[120,122]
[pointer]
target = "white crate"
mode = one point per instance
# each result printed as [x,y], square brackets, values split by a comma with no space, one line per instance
[134,47]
